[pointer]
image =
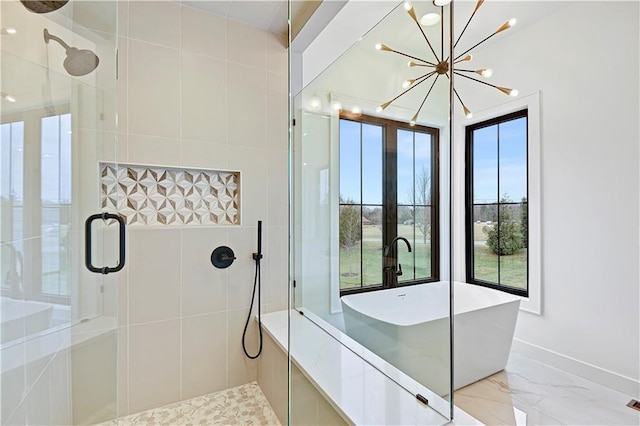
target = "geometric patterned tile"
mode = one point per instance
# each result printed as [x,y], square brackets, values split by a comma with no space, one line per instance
[151,195]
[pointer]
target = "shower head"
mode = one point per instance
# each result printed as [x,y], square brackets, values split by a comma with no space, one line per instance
[79,61]
[43,6]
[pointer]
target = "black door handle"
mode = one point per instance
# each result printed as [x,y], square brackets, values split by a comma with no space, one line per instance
[87,244]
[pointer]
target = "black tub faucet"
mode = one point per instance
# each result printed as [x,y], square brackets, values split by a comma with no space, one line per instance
[394,242]
[393,268]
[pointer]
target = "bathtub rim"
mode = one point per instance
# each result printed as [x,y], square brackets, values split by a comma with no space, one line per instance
[504,298]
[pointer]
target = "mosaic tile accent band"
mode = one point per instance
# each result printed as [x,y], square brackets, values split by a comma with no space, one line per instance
[154,195]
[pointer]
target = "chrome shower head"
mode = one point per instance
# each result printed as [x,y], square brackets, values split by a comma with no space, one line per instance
[79,61]
[43,6]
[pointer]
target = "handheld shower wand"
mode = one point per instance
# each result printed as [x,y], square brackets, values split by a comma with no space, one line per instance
[257,256]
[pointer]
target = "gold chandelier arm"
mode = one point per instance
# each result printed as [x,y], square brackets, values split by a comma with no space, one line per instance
[466,58]
[384,47]
[484,72]
[419,79]
[411,11]
[415,117]
[386,104]
[505,90]
[467,112]
[505,26]
[468,22]
[413,64]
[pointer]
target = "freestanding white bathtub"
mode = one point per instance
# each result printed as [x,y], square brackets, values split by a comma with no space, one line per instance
[409,328]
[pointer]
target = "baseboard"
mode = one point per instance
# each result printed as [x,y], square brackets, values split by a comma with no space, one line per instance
[583,369]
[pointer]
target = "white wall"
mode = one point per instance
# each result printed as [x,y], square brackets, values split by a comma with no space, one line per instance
[197,90]
[586,70]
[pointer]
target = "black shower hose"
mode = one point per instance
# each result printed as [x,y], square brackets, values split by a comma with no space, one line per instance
[256,285]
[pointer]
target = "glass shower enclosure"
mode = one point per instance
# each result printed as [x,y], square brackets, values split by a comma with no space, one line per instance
[57,119]
[371,228]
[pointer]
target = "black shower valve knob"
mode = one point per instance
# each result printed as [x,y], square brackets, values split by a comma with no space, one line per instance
[222,257]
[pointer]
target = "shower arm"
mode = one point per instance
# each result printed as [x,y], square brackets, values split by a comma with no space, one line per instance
[48,37]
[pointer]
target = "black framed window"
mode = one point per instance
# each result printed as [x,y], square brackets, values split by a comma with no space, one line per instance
[388,189]
[496,203]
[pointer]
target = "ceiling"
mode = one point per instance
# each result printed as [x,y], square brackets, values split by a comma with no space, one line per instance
[350,77]
[270,15]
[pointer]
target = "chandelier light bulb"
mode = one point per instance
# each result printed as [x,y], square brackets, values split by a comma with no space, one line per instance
[510,23]
[315,103]
[411,64]
[9,30]
[441,3]
[406,83]
[356,110]
[485,72]
[379,109]
[336,105]
[513,92]
[378,46]
[9,98]
[412,123]
[407,6]
[467,113]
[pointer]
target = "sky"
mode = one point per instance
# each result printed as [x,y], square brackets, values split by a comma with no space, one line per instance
[503,144]
[489,185]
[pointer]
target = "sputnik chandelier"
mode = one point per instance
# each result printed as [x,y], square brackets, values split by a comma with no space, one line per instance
[439,66]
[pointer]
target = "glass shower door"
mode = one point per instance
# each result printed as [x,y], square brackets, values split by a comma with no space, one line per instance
[371,193]
[57,121]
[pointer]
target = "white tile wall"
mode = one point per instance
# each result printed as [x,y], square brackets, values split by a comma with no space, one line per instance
[247,105]
[204,359]
[204,98]
[197,90]
[155,22]
[154,364]
[246,45]
[203,33]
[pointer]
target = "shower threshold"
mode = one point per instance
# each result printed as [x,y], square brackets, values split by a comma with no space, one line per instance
[242,405]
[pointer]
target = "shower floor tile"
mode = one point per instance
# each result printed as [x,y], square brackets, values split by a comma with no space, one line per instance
[243,405]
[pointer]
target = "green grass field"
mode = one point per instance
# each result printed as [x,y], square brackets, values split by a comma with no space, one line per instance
[513,269]
[372,249]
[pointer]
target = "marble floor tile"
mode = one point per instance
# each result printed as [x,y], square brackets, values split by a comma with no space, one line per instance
[528,392]
[242,405]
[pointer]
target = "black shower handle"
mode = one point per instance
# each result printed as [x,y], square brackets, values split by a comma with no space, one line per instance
[122,226]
